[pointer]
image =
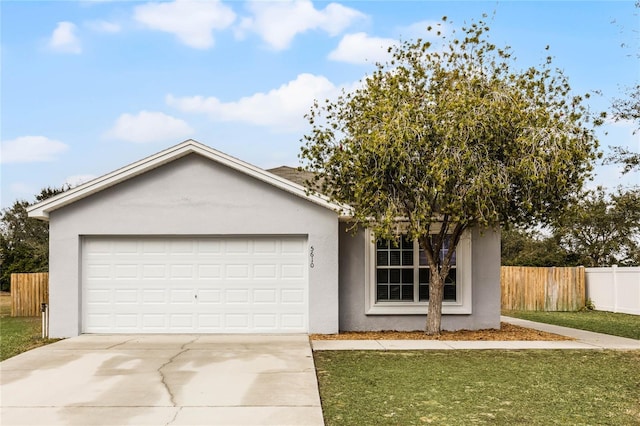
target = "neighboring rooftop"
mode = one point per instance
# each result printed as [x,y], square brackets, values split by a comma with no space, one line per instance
[292,174]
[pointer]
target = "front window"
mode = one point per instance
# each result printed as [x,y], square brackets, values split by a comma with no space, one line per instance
[403,275]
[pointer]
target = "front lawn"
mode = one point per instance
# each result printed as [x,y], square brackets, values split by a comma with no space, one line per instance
[616,324]
[479,387]
[18,334]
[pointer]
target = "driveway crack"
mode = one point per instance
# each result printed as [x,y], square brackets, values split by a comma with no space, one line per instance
[120,343]
[163,378]
[175,416]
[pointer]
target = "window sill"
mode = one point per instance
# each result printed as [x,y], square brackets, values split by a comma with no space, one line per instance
[399,308]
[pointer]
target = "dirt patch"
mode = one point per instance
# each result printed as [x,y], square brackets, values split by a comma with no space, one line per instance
[506,332]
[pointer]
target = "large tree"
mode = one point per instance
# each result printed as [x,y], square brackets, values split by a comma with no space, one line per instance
[24,241]
[451,136]
[603,229]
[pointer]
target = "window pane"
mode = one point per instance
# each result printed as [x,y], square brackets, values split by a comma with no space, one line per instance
[424,276]
[383,276]
[383,292]
[407,292]
[382,244]
[394,276]
[383,258]
[445,248]
[424,292]
[394,292]
[423,258]
[407,244]
[394,258]
[407,257]
[407,276]
[450,292]
[451,278]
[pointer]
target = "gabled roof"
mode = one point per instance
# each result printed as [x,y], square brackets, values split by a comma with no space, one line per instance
[41,210]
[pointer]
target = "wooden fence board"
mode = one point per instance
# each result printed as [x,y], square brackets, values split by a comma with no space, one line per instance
[28,291]
[542,289]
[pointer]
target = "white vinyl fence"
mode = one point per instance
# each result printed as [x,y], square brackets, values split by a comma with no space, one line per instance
[614,289]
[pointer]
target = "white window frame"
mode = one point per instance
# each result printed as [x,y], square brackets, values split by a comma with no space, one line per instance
[461,306]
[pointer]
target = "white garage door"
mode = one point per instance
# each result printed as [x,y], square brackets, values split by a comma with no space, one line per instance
[194,285]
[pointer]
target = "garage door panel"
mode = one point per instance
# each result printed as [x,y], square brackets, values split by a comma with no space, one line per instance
[262,296]
[267,271]
[292,296]
[209,271]
[236,247]
[196,285]
[292,321]
[265,321]
[236,271]
[154,296]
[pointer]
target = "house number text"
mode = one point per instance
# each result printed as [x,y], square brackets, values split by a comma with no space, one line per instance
[311,265]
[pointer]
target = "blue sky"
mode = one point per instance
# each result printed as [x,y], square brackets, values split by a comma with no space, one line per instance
[91,86]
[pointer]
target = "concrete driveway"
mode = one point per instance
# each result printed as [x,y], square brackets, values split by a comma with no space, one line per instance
[163,380]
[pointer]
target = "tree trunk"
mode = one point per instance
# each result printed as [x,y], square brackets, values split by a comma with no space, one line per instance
[436,294]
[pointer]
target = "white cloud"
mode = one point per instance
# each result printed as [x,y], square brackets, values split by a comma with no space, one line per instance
[104,26]
[64,38]
[30,149]
[76,180]
[282,109]
[359,48]
[191,21]
[148,127]
[279,22]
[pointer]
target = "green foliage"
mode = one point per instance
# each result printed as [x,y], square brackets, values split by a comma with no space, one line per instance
[527,248]
[450,137]
[603,229]
[621,155]
[627,109]
[24,241]
[588,306]
[596,229]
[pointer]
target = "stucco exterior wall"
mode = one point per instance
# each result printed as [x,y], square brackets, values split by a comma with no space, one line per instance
[485,248]
[188,197]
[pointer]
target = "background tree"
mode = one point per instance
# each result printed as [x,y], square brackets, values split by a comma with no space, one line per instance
[447,139]
[603,229]
[626,109]
[528,248]
[24,241]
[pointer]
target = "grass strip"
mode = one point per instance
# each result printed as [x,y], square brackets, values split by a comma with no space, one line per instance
[616,324]
[479,387]
[20,334]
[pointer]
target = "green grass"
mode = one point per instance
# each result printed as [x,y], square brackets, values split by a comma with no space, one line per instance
[479,387]
[18,334]
[616,324]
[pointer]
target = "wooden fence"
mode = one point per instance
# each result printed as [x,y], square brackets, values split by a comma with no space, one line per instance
[28,291]
[542,289]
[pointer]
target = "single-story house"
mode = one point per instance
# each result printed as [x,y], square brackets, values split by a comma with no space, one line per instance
[191,240]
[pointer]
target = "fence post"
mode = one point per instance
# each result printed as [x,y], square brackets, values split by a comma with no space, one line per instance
[614,279]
